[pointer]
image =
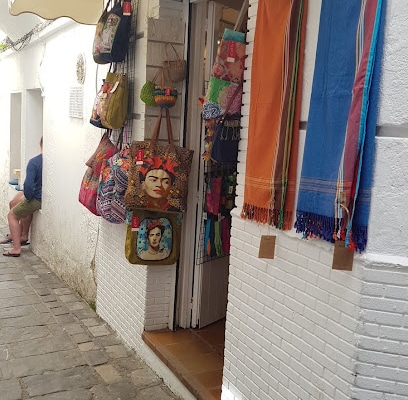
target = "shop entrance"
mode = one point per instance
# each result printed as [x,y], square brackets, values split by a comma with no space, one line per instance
[194,348]
[203,276]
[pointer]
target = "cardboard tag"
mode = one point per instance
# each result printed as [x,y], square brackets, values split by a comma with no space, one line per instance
[342,257]
[135,223]
[139,156]
[127,8]
[267,247]
[231,51]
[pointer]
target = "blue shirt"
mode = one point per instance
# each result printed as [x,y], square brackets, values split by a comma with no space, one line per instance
[33,180]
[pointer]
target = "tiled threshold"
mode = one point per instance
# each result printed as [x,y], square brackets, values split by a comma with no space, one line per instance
[195,356]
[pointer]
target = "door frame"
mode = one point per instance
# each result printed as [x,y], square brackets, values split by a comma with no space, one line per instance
[194,128]
[202,49]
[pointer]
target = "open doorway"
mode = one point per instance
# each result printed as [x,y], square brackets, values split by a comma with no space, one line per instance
[216,181]
[194,349]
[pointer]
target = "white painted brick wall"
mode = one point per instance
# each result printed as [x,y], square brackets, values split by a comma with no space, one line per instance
[134,298]
[296,329]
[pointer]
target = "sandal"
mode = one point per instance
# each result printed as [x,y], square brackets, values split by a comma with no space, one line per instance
[8,254]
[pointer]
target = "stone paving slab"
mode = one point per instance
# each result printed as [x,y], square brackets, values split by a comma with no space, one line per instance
[53,346]
[69,379]
[10,389]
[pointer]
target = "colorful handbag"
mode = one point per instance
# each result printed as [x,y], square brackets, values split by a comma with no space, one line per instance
[164,96]
[158,174]
[112,34]
[110,202]
[89,186]
[153,237]
[227,134]
[227,75]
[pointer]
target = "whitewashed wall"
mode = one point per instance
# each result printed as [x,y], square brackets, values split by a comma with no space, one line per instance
[63,233]
[296,329]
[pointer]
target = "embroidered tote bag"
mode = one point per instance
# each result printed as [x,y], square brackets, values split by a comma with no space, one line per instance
[110,202]
[153,237]
[89,185]
[158,173]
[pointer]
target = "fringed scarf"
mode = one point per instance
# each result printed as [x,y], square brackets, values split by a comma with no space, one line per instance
[335,186]
[273,132]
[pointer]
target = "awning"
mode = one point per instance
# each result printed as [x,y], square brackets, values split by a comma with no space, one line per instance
[82,11]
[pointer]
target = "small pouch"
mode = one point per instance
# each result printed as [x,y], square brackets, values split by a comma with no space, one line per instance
[147,94]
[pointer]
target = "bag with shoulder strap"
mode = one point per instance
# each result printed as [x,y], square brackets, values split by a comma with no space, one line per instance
[110,202]
[158,174]
[89,185]
[112,34]
[115,100]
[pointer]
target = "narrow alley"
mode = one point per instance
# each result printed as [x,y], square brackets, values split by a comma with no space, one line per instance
[53,346]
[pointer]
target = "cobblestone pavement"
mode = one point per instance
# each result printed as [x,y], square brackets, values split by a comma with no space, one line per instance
[53,346]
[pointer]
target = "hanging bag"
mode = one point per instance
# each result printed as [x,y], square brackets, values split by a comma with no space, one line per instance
[153,237]
[158,174]
[115,103]
[97,107]
[164,95]
[110,202]
[89,186]
[147,91]
[227,135]
[112,34]
[174,66]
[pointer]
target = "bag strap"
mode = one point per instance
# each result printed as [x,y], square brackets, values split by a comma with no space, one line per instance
[156,130]
[169,130]
[105,11]
[168,44]
[156,75]
[119,141]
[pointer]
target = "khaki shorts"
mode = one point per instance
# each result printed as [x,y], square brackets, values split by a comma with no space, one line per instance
[24,208]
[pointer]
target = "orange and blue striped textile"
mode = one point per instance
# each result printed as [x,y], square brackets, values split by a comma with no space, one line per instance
[273,130]
[336,179]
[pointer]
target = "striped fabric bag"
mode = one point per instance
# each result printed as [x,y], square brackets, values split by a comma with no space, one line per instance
[112,187]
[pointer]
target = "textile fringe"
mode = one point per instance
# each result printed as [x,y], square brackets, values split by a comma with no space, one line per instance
[278,218]
[323,227]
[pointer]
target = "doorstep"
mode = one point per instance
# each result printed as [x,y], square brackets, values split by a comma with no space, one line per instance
[195,356]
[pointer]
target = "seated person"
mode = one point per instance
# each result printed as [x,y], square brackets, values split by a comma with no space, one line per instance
[27,205]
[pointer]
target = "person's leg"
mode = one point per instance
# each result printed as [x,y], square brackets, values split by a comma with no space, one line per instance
[15,232]
[13,202]
[25,227]
[22,210]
